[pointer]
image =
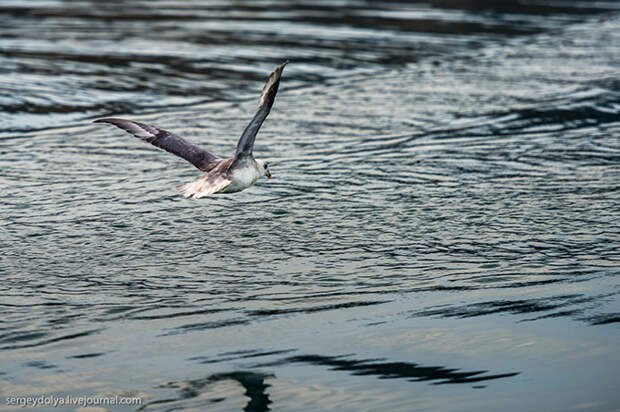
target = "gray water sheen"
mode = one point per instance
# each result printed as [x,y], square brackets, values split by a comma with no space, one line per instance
[442,232]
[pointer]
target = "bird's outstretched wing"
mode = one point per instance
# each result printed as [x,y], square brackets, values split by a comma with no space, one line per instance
[170,142]
[246,142]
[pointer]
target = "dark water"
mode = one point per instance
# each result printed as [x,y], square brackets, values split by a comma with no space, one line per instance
[442,232]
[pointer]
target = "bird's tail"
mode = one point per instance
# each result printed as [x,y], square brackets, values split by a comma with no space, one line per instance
[191,189]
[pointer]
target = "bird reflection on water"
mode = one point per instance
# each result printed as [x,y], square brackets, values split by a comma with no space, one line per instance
[253,383]
[198,391]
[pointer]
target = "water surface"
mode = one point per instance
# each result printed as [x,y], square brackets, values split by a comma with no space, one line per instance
[441,233]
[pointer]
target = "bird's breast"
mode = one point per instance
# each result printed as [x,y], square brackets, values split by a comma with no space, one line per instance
[242,178]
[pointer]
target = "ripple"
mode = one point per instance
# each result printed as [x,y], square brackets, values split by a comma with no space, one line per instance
[436,167]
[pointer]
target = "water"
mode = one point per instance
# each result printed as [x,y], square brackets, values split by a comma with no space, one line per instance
[441,233]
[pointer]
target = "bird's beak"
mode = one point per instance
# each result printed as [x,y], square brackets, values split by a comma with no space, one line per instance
[268,174]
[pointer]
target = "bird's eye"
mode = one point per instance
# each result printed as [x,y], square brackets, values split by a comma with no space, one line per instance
[266,165]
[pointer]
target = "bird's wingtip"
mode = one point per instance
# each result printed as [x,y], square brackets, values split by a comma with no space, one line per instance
[111,120]
[105,120]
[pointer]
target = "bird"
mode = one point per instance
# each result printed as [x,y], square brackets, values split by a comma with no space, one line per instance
[222,175]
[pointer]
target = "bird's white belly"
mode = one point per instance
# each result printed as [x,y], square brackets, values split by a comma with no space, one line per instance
[242,178]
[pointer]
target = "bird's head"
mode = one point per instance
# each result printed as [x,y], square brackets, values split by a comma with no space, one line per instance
[264,168]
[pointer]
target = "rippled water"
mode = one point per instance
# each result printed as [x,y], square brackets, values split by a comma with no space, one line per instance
[442,230]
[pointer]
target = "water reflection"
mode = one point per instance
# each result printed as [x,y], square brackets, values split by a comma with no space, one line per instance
[190,392]
[549,307]
[391,370]
[198,393]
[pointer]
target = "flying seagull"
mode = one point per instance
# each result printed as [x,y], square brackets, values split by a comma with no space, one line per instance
[222,175]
